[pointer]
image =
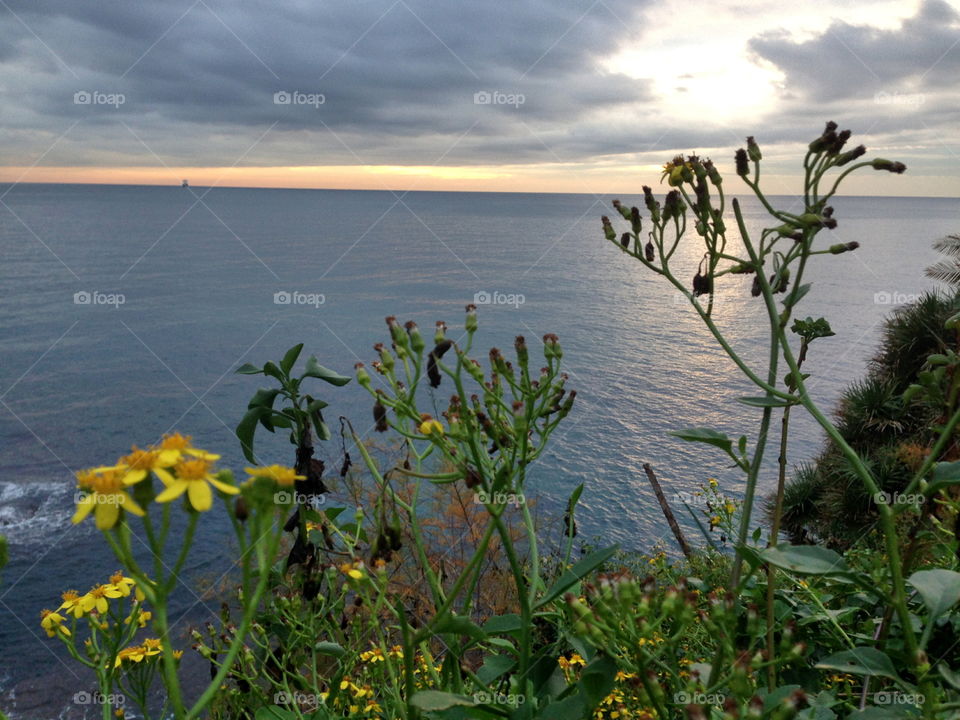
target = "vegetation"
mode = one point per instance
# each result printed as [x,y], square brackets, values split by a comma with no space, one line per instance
[367,619]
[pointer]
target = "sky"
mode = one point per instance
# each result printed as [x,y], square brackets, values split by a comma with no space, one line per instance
[532,95]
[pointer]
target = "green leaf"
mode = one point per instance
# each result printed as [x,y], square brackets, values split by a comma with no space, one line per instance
[765,401]
[774,697]
[952,678]
[274,712]
[810,329]
[246,429]
[273,371]
[494,667]
[248,369]
[315,370]
[290,358]
[330,648]
[940,589]
[315,405]
[597,680]
[883,713]
[433,700]
[503,624]
[805,559]
[588,564]
[945,474]
[706,435]
[860,661]
[264,397]
[459,625]
[796,296]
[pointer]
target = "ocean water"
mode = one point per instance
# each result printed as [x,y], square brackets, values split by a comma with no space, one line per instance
[199,271]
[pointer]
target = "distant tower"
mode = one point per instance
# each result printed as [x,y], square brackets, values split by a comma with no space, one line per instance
[184,184]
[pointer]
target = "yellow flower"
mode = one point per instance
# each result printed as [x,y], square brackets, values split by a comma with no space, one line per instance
[152,646]
[729,507]
[354,570]
[396,651]
[282,475]
[715,520]
[430,426]
[192,476]
[372,656]
[96,599]
[121,584]
[140,463]
[713,482]
[135,653]
[71,603]
[103,490]
[52,623]
[142,618]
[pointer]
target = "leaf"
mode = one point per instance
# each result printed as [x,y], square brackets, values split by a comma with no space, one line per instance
[810,329]
[330,648]
[264,397]
[315,405]
[459,625]
[502,624]
[706,435]
[882,713]
[805,559]
[248,369]
[765,401]
[952,678]
[777,695]
[290,358]
[940,589]
[494,667]
[433,700]
[597,680]
[796,296]
[860,661]
[588,564]
[945,474]
[273,371]
[247,427]
[315,370]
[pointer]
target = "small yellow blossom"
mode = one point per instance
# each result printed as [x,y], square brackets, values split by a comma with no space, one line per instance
[192,476]
[52,622]
[430,426]
[71,603]
[103,492]
[282,475]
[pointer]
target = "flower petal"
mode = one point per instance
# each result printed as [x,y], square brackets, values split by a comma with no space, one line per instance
[165,477]
[106,515]
[83,508]
[174,490]
[134,476]
[130,505]
[223,487]
[201,497]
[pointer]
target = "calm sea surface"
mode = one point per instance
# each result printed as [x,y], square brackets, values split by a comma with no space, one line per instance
[198,272]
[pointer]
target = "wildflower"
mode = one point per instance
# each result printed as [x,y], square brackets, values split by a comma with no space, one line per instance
[372,656]
[192,477]
[134,653]
[142,618]
[52,622]
[122,584]
[729,507]
[71,603]
[140,463]
[282,475]
[103,494]
[96,599]
[353,570]
[712,482]
[430,426]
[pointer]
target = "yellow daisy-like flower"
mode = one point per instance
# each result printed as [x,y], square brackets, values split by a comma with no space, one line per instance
[134,653]
[282,475]
[430,426]
[372,656]
[713,482]
[729,507]
[152,646]
[353,570]
[96,599]
[142,618]
[53,623]
[191,476]
[104,493]
[140,463]
[121,584]
[71,603]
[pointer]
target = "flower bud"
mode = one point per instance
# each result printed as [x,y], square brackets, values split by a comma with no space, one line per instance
[753,150]
[441,332]
[742,162]
[379,415]
[712,172]
[608,232]
[625,240]
[839,142]
[844,247]
[471,322]
[649,251]
[756,288]
[618,206]
[400,339]
[889,165]
[386,357]
[417,343]
[850,155]
[635,219]
[520,345]
[652,207]
[363,377]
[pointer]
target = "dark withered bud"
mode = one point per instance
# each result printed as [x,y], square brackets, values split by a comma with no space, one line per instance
[433,372]
[742,162]
[345,468]
[472,478]
[756,288]
[889,166]
[625,240]
[753,150]
[635,219]
[829,223]
[240,509]
[826,140]
[712,172]
[608,232]
[850,155]
[839,142]
[673,205]
[701,285]
[652,207]
[781,286]
[649,251]
[380,416]
[827,211]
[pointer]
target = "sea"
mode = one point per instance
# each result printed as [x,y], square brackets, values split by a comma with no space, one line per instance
[125,311]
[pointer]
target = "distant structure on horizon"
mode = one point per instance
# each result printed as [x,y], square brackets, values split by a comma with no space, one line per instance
[184,184]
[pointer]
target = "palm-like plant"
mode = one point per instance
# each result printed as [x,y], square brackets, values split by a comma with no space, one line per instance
[947,271]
